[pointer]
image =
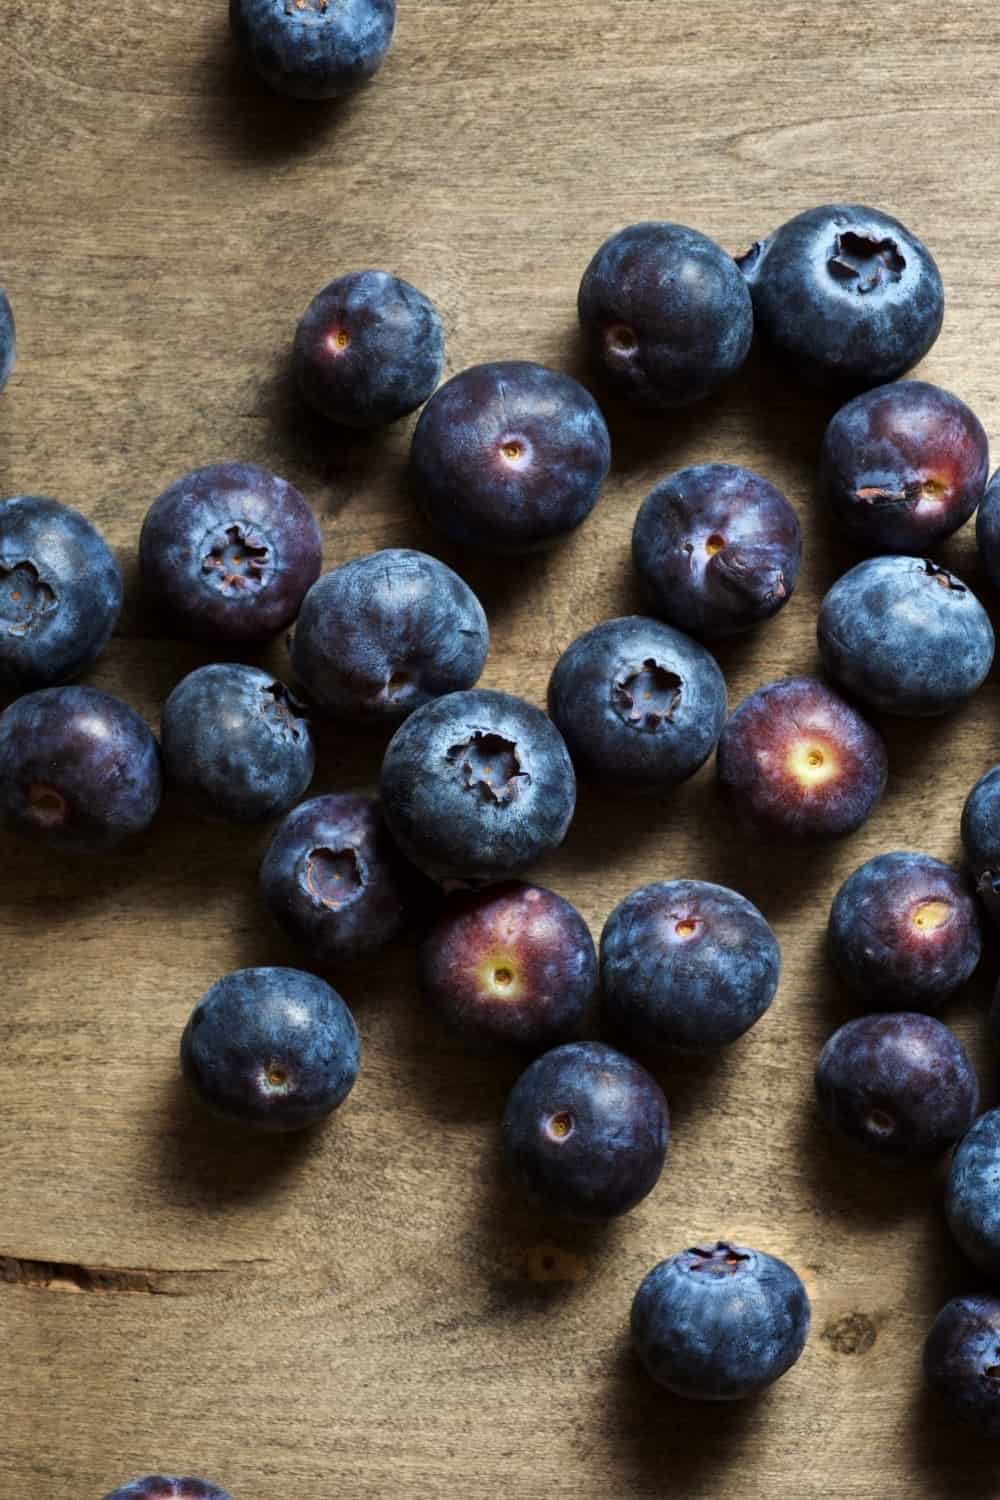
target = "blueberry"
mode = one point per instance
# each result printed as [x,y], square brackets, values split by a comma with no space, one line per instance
[384,634]
[796,760]
[585,1131]
[510,965]
[719,1322]
[8,339]
[903,466]
[900,1084]
[962,1360]
[972,1202]
[236,744]
[981,839]
[988,531]
[686,966]
[369,349]
[314,49]
[79,770]
[904,931]
[60,593]
[665,314]
[639,705]
[717,549]
[509,457]
[905,636]
[276,1049]
[228,552]
[845,296]
[476,786]
[167,1487]
[334,880]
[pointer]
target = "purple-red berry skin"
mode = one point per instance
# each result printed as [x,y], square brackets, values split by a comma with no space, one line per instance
[168,1487]
[510,965]
[905,931]
[903,466]
[717,549]
[962,1360]
[796,760]
[898,1084]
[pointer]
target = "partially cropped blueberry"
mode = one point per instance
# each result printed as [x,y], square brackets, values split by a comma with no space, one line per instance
[8,338]
[368,350]
[476,786]
[981,839]
[899,1084]
[796,760]
[988,531]
[79,770]
[60,593]
[236,743]
[685,966]
[719,1322]
[275,1049]
[972,1202]
[509,457]
[962,1360]
[333,879]
[168,1487]
[903,466]
[639,705]
[383,634]
[845,296]
[904,931]
[314,49]
[228,552]
[717,549]
[585,1132]
[905,636]
[665,314]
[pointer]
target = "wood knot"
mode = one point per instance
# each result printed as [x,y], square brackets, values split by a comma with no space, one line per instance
[854,1333]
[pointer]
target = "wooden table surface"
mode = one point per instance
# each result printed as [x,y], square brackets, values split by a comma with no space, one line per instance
[366,1311]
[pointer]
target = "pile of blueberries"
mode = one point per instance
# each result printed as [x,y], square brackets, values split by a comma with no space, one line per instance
[477,785]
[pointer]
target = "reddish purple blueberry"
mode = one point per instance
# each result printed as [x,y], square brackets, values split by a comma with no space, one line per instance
[368,350]
[904,931]
[903,466]
[665,314]
[167,1487]
[585,1132]
[383,634]
[228,552]
[717,549]
[314,49]
[899,1084]
[509,457]
[510,965]
[796,760]
[962,1360]
[79,770]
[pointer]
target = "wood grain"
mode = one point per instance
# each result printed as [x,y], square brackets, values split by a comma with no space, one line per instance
[365,1311]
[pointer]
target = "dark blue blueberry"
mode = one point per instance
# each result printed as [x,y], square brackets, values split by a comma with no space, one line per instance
[988,531]
[228,552]
[981,839]
[972,1202]
[314,49]
[962,1360]
[383,634]
[796,760]
[509,457]
[845,296]
[639,705]
[900,1084]
[369,349]
[585,1131]
[904,931]
[717,549]
[905,636]
[334,880]
[8,339]
[235,742]
[168,1487]
[79,770]
[510,965]
[276,1049]
[719,1322]
[686,966]
[60,593]
[903,466]
[476,786]
[665,314]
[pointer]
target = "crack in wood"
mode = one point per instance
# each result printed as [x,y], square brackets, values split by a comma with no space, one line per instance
[69,1276]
